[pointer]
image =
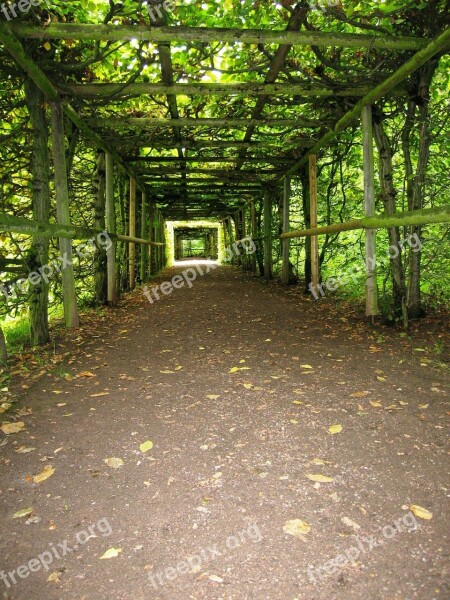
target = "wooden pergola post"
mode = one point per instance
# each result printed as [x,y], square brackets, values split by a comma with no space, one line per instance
[313,219]
[253,232]
[285,245]
[110,223]
[63,216]
[144,253]
[151,238]
[132,233]
[369,211]
[267,235]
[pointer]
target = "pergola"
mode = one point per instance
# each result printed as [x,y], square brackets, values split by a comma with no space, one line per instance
[214,148]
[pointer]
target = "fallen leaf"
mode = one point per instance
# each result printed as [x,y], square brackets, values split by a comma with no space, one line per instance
[99,394]
[4,406]
[9,428]
[24,450]
[43,475]
[306,366]
[320,478]
[297,528]
[22,513]
[148,445]
[86,374]
[235,369]
[350,523]
[375,404]
[335,429]
[115,463]
[111,553]
[53,577]
[212,396]
[166,372]
[248,386]
[216,578]
[420,512]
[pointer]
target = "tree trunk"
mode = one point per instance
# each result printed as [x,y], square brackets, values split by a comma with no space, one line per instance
[388,194]
[100,263]
[38,307]
[3,350]
[304,177]
[417,185]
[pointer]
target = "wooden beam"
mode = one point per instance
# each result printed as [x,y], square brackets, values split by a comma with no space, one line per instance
[144,253]
[209,159]
[126,122]
[110,224]
[63,216]
[25,226]
[425,216]
[369,211]
[267,208]
[285,246]
[123,33]
[116,91]
[132,233]
[313,219]
[439,44]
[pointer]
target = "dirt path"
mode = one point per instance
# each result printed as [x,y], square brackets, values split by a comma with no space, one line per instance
[201,514]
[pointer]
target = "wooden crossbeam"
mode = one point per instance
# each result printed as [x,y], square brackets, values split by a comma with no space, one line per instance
[123,33]
[209,159]
[155,123]
[116,91]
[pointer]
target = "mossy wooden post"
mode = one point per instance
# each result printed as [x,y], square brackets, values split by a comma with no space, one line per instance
[3,350]
[110,223]
[253,234]
[132,233]
[100,268]
[267,235]
[313,219]
[151,238]
[63,216]
[369,211]
[144,253]
[285,246]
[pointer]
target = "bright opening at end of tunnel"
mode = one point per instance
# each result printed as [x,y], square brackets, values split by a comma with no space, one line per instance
[194,242]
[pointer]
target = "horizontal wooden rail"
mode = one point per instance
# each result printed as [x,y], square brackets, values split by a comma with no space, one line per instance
[123,33]
[416,217]
[26,226]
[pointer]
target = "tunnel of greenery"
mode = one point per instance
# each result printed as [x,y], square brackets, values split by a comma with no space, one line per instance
[139,133]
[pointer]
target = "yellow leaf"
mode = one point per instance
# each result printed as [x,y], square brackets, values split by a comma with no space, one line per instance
[99,394]
[22,513]
[248,386]
[167,372]
[43,475]
[306,366]
[293,421]
[317,461]
[115,463]
[335,429]
[53,577]
[423,406]
[148,445]
[235,369]
[24,450]
[9,428]
[212,396]
[111,553]
[47,45]
[320,478]
[420,512]
[297,402]
[375,404]
[297,528]
[4,406]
